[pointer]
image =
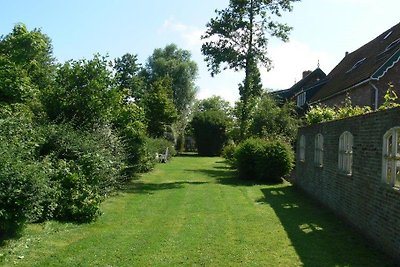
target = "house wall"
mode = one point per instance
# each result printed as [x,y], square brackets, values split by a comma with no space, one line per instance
[372,206]
[364,95]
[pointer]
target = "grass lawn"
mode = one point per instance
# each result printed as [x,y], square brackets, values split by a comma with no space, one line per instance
[193,212]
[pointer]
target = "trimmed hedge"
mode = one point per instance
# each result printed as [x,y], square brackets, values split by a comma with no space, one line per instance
[265,160]
[209,129]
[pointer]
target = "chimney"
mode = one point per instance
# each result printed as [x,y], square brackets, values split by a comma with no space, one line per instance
[346,53]
[306,73]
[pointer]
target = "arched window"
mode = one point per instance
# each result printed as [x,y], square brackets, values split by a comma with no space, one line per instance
[302,148]
[319,150]
[345,161]
[391,157]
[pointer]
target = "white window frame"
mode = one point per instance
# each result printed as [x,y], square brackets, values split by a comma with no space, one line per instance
[302,148]
[391,157]
[319,150]
[301,99]
[345,155]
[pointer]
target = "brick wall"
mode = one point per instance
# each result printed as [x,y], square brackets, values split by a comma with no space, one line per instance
[363,199]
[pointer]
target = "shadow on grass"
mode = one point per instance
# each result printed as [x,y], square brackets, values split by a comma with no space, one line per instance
[138,187]
[319,238]
[225,175]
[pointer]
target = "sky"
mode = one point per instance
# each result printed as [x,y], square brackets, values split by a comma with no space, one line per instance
[323,30]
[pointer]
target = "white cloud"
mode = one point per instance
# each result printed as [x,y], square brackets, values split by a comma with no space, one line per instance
[290,60]
[190,35]
[224,84]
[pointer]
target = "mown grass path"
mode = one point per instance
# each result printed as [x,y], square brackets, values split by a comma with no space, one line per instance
[193,212]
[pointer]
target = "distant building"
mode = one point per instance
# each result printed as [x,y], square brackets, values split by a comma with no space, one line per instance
[302,91]
[365,73]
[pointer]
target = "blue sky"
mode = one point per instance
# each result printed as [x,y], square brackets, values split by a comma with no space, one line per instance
[323,30]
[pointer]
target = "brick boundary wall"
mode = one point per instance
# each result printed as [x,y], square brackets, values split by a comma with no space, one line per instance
[363,199]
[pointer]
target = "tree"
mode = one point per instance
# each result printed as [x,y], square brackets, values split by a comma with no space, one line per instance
[214,103]
[26,66]
[31,51]
[15,85]
[238,37]
[83,93]
[128,76]
[209,129]
[159,108]
[268,119]
[176,64]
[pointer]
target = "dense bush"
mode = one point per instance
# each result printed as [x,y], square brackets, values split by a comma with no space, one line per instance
[84,166]
[269,119]
[82,93]
[159,146]
[209,129]
[266,160]
[228,153]
[134,140]
[321,113]
[23,185]
[20,189]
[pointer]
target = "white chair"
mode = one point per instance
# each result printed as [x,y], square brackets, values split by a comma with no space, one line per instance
[163,157]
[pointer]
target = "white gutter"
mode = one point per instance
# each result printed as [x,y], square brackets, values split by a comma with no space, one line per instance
[376,95]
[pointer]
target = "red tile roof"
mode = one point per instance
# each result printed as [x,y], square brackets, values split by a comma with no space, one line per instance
[369,61]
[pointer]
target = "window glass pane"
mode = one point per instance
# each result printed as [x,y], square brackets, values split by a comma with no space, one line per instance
[398,143]
[390,146]
[388,173]
[397,179]
[321,157]
[350,170]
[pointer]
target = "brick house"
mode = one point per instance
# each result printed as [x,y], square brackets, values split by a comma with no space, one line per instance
[365,73]
[302,91]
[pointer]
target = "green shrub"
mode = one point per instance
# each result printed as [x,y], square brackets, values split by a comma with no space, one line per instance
[319,114]
[83,166]
[159,146]
[19,190]
[246,156]
[270,119]
[266,160]
[134,140]
[209,129]
[228,153]
[23,181]
[80,198]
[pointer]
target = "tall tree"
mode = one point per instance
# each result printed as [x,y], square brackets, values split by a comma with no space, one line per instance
[176,64]
[31,51]
[128,76]
[158,107]
[214,103]
[83,93]
[237,39]
[27,66]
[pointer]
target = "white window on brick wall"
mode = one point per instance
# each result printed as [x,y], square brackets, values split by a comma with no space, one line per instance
[319,150]
[391,157]
[302,148]
[345,161]
[301,99]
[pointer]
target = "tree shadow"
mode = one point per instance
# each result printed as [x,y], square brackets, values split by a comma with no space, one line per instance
[138,187]
[318,236]
[226,175]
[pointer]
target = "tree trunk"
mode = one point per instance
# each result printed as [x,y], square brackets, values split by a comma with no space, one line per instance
[245,94]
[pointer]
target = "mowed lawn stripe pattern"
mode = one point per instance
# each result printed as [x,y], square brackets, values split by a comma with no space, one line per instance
[193,212]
